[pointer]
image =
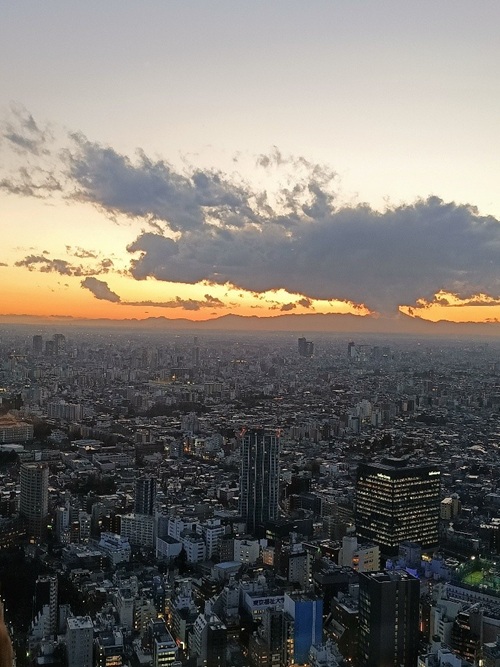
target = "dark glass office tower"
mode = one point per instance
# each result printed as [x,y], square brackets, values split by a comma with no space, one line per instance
[396,502]
[388,619]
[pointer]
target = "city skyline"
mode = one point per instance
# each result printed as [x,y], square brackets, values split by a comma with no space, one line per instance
[161,493]
[199,161]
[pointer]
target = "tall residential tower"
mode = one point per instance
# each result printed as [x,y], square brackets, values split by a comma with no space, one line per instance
[145,495]
[259,479]
[34,499]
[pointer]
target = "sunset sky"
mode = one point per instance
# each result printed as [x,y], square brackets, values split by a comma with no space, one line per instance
[192,159]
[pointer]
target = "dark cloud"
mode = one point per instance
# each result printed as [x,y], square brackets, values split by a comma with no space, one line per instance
[272,159]
[288,306]
[3,264]
[100,289]
[305,302]
[82,253]
[24,134]
[185,304]
[32,182]
[353,254]
[45,264]
[151,189]
[475,300]
[203,226]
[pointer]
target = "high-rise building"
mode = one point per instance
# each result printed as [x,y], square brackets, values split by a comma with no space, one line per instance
[396,502]
[388,619]
[304,623]
[45,602]
[195,353]
[80,641]
[34,499]
[305,347]
[59,343]
[145,495]
[259,478]
[37,345]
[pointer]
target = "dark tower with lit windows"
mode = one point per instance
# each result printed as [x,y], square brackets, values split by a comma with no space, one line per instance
[388,619]
[396,502]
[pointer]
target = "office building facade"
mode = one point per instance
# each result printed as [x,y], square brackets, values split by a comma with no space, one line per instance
[396,502]
[304,623]
[388,619]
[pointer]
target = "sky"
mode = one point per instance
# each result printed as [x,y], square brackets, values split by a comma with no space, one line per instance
[194,159]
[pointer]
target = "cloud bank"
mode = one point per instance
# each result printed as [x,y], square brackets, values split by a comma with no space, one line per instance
[223,232]
[101,290]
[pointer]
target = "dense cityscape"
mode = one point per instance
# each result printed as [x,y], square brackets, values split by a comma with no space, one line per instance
[233,500]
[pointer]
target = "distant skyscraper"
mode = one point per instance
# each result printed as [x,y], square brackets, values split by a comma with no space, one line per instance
[59,343]
[388,619]
[195,353]
[145,495]
[259,479]
[37,345]
[305,347]
[396,502]
[34,499]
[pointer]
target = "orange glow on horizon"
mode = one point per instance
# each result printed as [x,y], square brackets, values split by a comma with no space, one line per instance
[39,294]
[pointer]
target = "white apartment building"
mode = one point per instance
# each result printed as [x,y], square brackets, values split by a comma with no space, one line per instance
[80,641]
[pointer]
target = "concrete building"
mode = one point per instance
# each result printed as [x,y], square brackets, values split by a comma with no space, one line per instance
[46,602]
[116,548]
[12,430]
[363,558]
[138,529]
[246,551]
[164,648]
[80,641]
